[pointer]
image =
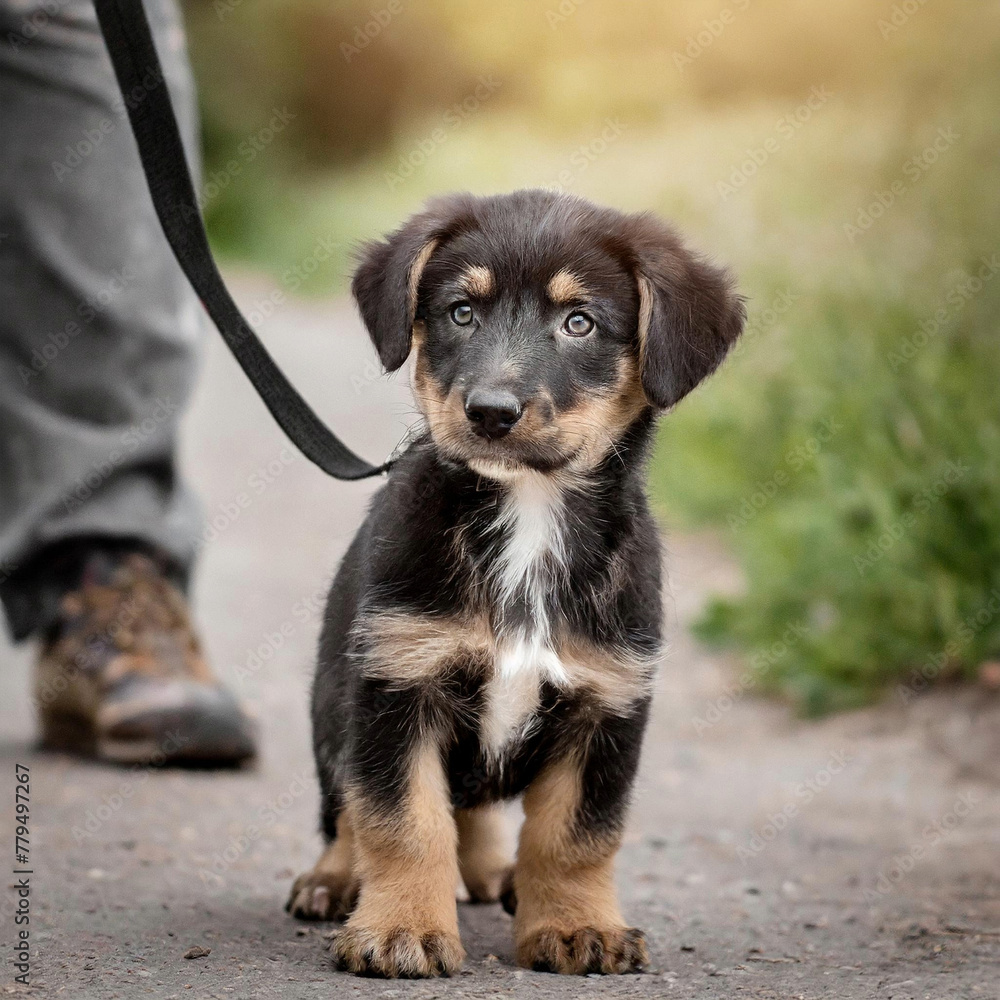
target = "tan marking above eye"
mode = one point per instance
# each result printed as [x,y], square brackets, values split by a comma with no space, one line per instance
[564,288]
[478,281]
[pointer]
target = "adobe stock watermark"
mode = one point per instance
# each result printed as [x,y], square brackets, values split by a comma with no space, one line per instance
[92,655]
[899,16]
[228,512]
[786,128]
[130,441]
[452,119]
[87,310]
[758,662]
[562,12]
[930,837]
[379,18]
[803,793]
[761,320]
[706,36]
[911,173]
[796,459]
[306,610]
[35,23]
[113,802]
[92,139]
[263,307]
[955,471]
[223,8]
[294,277]
[266,816]
[586,154]
[960,295]
[246,152]
[967,629]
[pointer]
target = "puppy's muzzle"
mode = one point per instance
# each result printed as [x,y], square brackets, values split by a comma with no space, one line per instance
[492,412]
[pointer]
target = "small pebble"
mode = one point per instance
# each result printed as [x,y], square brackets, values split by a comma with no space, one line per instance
[197,952]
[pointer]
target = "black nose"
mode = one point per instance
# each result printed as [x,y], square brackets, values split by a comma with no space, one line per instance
[492,412]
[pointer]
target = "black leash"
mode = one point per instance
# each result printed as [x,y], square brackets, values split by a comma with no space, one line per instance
[137,66]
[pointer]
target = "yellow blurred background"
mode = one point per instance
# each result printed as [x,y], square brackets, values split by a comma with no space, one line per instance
[383,95]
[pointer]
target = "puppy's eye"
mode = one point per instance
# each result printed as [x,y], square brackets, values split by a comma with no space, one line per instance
[461,313]
[578,325]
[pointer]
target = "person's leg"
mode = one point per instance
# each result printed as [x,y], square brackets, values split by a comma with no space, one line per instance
[98,341]
[98,327]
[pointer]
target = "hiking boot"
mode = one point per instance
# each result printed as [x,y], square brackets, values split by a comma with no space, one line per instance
[121,675]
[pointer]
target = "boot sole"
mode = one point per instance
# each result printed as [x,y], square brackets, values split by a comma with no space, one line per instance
[71,734]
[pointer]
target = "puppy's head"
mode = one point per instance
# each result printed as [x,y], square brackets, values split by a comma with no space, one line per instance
[543,326]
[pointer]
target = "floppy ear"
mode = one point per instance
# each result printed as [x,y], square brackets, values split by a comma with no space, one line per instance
[689,314]
[387,282]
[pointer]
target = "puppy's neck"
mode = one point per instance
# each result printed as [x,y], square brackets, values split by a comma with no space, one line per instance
[526,529]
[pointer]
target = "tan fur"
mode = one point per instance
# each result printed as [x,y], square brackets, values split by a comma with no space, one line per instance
[478,281]
[416,270]
[615,681]
[588,432]
[645,316]
[565,288]
[329,890]
[337,859]
[406,921]
[413,648]
[483,860]
[445,414]
[567,915]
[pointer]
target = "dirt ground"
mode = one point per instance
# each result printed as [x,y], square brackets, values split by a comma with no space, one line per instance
[767,857]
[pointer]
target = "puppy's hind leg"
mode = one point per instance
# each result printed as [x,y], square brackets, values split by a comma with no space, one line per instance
[482,856]
[330,890]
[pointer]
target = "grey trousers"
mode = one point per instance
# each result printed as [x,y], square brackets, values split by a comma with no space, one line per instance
[98,328]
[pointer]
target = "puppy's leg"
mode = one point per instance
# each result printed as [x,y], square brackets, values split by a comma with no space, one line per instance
[482,858]
[330,890]
[567,917]
[406,920]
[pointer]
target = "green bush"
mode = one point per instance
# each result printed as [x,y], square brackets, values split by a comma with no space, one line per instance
[862,495]
[851,450]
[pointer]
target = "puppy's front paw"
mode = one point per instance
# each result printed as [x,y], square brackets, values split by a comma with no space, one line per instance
[402,952]
[587,949]
[320,895]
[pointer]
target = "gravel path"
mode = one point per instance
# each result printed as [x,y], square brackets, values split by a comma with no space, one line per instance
[766,857]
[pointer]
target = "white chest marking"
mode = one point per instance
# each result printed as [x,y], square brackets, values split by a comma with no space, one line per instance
[531,557]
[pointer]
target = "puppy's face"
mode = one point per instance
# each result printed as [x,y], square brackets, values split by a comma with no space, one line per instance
[525,353]
[543,326]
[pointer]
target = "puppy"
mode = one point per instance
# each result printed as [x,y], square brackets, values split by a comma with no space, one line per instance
[495,625]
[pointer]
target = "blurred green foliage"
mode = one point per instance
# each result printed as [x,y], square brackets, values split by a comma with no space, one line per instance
[852,449]
[844,158]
